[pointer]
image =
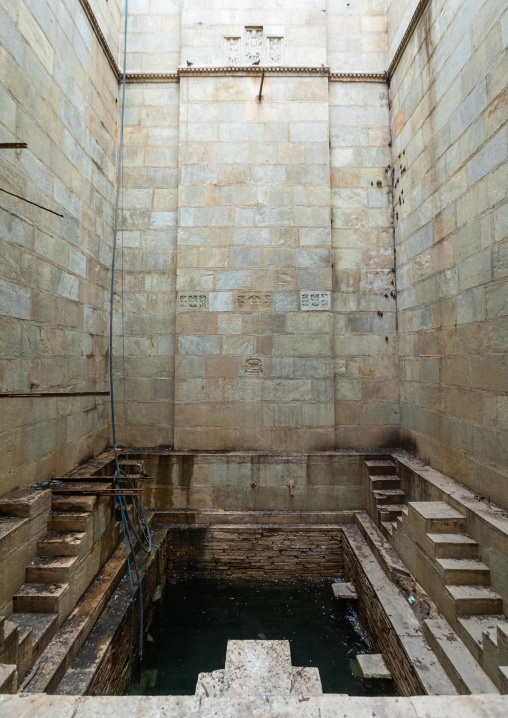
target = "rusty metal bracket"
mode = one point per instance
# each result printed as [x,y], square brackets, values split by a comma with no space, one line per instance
[260,96]
[13,145]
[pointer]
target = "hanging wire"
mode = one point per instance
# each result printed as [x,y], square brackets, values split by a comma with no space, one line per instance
[134,519]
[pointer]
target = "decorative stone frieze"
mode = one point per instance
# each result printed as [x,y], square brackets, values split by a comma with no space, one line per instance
[275,50]
[254,302]
[253,44]
[192,302]
[253,366]
[315,301]
[232,50]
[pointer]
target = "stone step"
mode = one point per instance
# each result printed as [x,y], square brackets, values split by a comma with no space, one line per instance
[387,528]
[389,512]
[39,597]
[62,543]
[51,569]
[389,496]
[25,503]
[475,600]
[75,504]
[42,625]
[68,521]
[471,630]
[434,517]
[503,680]
[25,648]
[495,649]
[384,482]
[464,672]
[9,648]
[463,571]
[8,678]
[380,466]
[10,529]
[451,546]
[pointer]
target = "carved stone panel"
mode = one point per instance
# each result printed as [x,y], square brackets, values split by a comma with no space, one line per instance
[254,302]
[253,366]
[315,301]
[232,50]
[253,44]
[192,302]
[275,51]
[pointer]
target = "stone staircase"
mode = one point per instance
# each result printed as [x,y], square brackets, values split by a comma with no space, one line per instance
[384,494]
[431,539]
[70,544]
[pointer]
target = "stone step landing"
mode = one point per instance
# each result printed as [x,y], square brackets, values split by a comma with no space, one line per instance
[464,672]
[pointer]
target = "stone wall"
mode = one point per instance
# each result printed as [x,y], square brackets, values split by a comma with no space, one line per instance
[365,327]
[147,255]
[255,551]
[255,482]
[450,147]
[57,94]
[356,35]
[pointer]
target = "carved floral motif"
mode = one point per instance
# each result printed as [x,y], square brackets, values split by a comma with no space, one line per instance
[254,302]
[232,46]
[275,51]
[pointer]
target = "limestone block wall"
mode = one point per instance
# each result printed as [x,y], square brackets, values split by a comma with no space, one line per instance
[450,149]
[364,298]
[253,368]
[144,359]
[153,36]
[356,35]
[57,93]
[301,25]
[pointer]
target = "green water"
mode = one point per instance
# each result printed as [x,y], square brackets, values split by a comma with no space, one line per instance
[197,617]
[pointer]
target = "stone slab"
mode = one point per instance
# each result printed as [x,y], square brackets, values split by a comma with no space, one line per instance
[344,590]
[373,666]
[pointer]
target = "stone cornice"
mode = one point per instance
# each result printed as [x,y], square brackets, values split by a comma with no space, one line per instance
[137,77]
[101,39]
[420,9]
[253,70]
[358,77]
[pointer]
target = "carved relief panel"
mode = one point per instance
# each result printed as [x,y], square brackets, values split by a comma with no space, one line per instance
[253,44]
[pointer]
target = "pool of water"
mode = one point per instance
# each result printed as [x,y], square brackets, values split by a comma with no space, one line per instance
[198,616]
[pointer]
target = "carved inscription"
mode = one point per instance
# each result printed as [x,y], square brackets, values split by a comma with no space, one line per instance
[253,44]
[232,47]
[315,301]
[254,302]
[275,51]
[192,301]
[253,366]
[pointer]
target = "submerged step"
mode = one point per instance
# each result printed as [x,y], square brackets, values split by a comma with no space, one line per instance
[465,673]
[463,571]
[475,600]
[50,569]
[451,546]
[39,597]
[62,543]
[380,466]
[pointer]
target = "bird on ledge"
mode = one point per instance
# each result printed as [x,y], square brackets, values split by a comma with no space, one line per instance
[189,64]
[256,62]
